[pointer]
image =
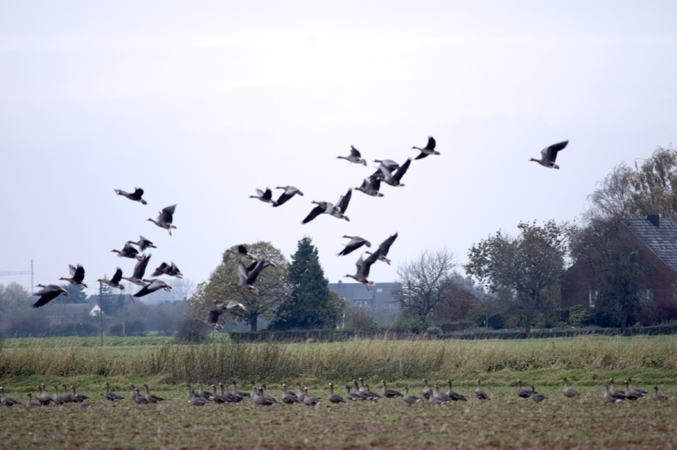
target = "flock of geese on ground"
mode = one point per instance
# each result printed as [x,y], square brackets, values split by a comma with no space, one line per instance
[358,391]
[388,172]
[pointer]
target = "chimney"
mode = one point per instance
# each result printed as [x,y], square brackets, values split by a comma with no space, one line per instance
[654,219]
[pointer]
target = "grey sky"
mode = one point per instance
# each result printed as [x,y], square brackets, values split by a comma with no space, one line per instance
[200,103]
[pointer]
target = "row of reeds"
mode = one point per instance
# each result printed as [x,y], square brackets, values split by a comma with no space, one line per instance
[385,359]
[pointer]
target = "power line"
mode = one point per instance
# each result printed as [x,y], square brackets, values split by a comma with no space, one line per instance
[6,273]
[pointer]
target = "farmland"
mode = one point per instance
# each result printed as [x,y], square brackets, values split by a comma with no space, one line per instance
[506,421]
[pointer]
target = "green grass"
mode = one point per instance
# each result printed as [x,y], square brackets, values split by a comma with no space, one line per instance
[90,341]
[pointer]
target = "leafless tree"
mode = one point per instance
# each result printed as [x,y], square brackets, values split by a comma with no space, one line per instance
[425,282]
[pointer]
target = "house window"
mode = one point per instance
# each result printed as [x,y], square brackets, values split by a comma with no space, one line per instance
[646,297]
[362,303]
[592,298]
[379,290]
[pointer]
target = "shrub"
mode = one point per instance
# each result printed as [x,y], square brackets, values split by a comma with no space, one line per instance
[132,328]
[359,319]
[190,331]
[479,316]
[495,322]
[81,329]
[578,315]
[434,331]
[412,324]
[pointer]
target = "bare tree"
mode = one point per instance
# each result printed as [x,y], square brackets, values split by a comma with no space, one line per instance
[425,282]
[271,283]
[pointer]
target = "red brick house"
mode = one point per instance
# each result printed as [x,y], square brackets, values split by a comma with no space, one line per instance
[657,238]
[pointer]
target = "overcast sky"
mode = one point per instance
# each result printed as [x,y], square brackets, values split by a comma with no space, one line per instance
[200,103]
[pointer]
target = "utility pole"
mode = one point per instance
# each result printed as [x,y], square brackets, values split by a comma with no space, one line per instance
[101,309]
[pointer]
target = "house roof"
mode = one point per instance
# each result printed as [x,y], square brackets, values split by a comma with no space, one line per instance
[659,234]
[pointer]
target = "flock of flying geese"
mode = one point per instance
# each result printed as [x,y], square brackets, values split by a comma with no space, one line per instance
[130,250]
[355,392]
[388,172]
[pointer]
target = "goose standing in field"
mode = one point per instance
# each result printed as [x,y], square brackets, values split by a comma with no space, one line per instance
[78,397]
[152,398]
[372,395]
[394,179]
[429,149]
[43,396]
[219,398]
[427,392]
[143,243]
[549,155]
[355,243]
[29,403]
[230,398]
[537,397]
[265,196]
[479,393]
[411,399]
[630,389]
[67,397]
[195,399]
[139,271]
[128,252]
[302,393]
[48,293]
[115,281]
[248,275]
[77,276]
[167,269]
[437,397]
[242,252]
[455,396]
[361,393]
[241,394]
[57,399]
[384,248]
[155,285]
[658,397]
[288,396]
[371,186]
[390,393]
[309,399]
[165,219]
[213,316]
[352,396]
[612,397]
[333,397]
[110,395]
[612,388]
[4,400]
[289,192]
[567,391]
[524,393]
[354,157]
[363,266]
[137,397]
[134,196]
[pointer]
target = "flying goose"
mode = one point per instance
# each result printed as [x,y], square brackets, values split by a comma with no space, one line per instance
[142,243]
[384,248]
[429,149]
[155,285]
[549,155]
[165,219]
[134,196]
[612,397]
[363,266]
[289,192]
[390,393]
[537,397]
[411,399]
[167,269]
[337,210]
[371,186]
[354,157]
[335,398]
[355,243]
[394,179]
[77,275]
[567,391]
[455,396]
[658,397]
[115,281]
[48,293]
[524,393]
[213,316]
[479,393]
[387,164]
[247,275]
[128,252]
[139,271]
[241,251]
[110,395]
[265,196]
